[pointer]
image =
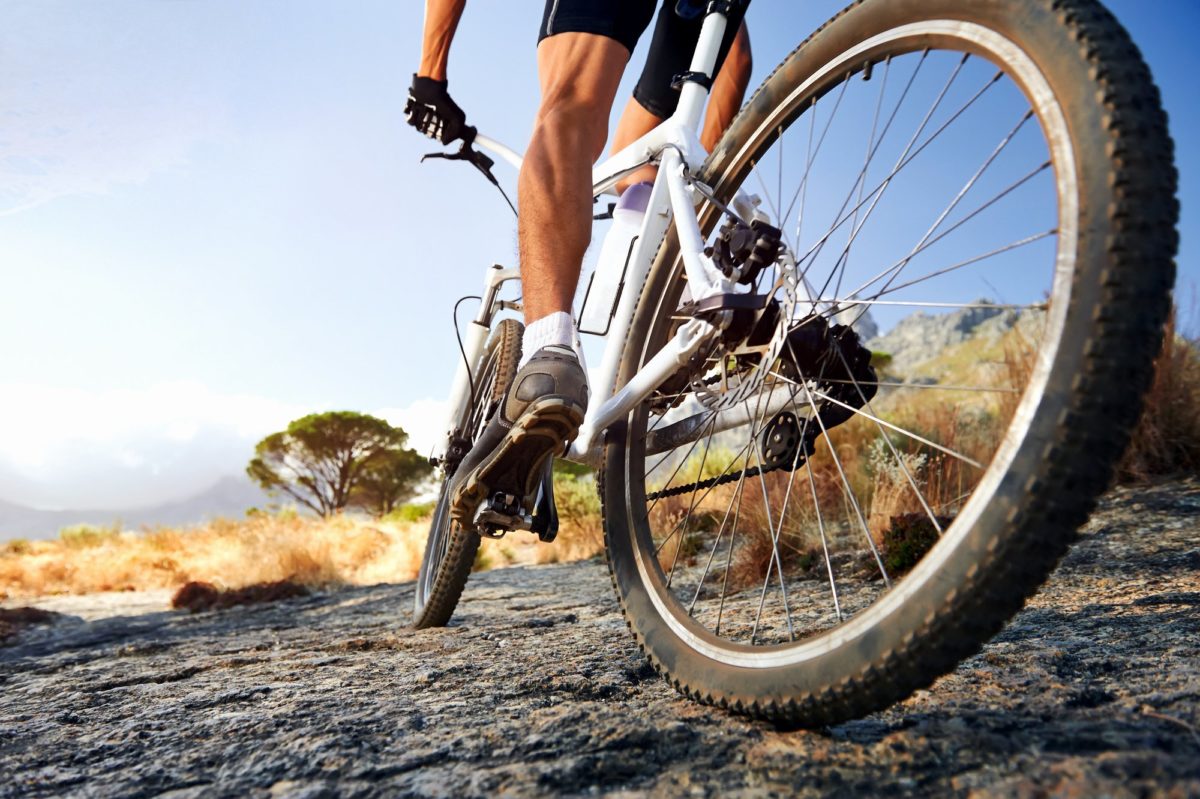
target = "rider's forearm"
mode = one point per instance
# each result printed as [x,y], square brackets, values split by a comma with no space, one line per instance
[441,21]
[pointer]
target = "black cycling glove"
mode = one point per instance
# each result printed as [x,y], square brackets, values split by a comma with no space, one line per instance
[431,111]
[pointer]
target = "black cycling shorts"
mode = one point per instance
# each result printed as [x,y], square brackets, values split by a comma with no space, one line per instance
[671,48]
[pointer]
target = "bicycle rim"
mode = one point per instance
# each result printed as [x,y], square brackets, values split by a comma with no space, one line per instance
[775,571]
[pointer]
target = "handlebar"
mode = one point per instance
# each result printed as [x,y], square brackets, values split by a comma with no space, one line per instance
[504,152]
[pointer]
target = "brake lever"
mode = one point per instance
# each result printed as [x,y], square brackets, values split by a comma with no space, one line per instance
[476,159]
[472,156]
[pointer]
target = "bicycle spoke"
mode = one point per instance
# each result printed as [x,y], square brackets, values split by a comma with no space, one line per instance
[813,251]
[912,483]
[924,242]
[743,451]
[886,127]
[862,183]
[920,136]
[688,516]
[900,162]
[782,517]
[1035,306]
[804,181]
[968,262]
[837,462]
[895,268]
[779,173]
[763,184]
[720,532]
[929,386]
[729,555]
[812,483]
[901,430]
[802,191]
[712,420]
[775,558]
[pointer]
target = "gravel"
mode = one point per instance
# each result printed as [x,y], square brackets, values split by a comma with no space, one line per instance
[537,689]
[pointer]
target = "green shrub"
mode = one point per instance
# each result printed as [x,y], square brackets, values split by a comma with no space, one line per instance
[84,536]
[412,512]
[18,546]
[563,468]
[576,498]
[907,540]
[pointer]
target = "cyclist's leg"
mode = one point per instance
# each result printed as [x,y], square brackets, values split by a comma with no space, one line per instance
[579,66]
[728,91]
[654,100]
[579,73]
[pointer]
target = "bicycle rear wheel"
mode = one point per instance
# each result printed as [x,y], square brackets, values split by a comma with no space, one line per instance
[872,521]
[450,550]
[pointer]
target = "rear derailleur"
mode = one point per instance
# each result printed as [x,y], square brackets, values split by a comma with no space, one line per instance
[832,358]
[816,357]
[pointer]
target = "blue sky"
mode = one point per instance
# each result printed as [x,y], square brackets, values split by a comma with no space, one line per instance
[213,219]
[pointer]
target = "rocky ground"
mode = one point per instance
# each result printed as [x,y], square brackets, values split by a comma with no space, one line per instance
[538,690]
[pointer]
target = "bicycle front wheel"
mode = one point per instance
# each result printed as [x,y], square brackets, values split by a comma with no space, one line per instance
[449,549]
[815,520]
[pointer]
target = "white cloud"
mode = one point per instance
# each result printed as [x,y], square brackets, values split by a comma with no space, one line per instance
[72,447]
[48,154]
[424,420]
[80,448]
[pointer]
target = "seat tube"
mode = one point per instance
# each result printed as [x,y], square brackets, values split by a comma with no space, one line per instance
[692,95]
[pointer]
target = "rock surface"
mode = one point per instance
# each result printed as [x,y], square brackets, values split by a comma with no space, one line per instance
[538,690]
[921,336]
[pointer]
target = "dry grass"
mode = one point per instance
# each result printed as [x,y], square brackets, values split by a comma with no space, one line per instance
[226,553]
[264,549]
[1167,441]
[234,554]
[892,494]
[1167,438]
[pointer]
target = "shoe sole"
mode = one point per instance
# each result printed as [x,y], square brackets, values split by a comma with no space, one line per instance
[543,430]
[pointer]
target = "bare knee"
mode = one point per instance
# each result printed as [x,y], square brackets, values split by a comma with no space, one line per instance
[572,118]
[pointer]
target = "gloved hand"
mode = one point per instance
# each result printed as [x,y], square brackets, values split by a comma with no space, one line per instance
[431,111]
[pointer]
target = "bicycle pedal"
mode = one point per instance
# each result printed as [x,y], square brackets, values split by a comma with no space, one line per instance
[501,514]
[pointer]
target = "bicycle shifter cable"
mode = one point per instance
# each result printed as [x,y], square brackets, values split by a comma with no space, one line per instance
[461,348]
[479,161]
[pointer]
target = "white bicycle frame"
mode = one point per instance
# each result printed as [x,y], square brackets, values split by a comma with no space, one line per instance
[675,145]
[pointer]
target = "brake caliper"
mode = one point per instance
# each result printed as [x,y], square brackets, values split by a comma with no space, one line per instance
[741,251]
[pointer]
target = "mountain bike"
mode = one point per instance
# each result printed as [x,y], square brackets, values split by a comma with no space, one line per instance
[797,526]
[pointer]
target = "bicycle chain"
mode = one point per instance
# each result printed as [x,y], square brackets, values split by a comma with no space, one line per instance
[713,482]
[780,451]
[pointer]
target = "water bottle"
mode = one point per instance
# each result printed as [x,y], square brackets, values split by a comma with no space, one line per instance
[600,302]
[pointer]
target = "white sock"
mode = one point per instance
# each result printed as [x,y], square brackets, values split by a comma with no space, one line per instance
[557,329]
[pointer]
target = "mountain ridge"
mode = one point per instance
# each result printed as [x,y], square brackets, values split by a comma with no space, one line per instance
[229,496]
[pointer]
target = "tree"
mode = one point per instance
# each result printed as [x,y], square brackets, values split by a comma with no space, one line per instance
[389,482]
[331,461]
